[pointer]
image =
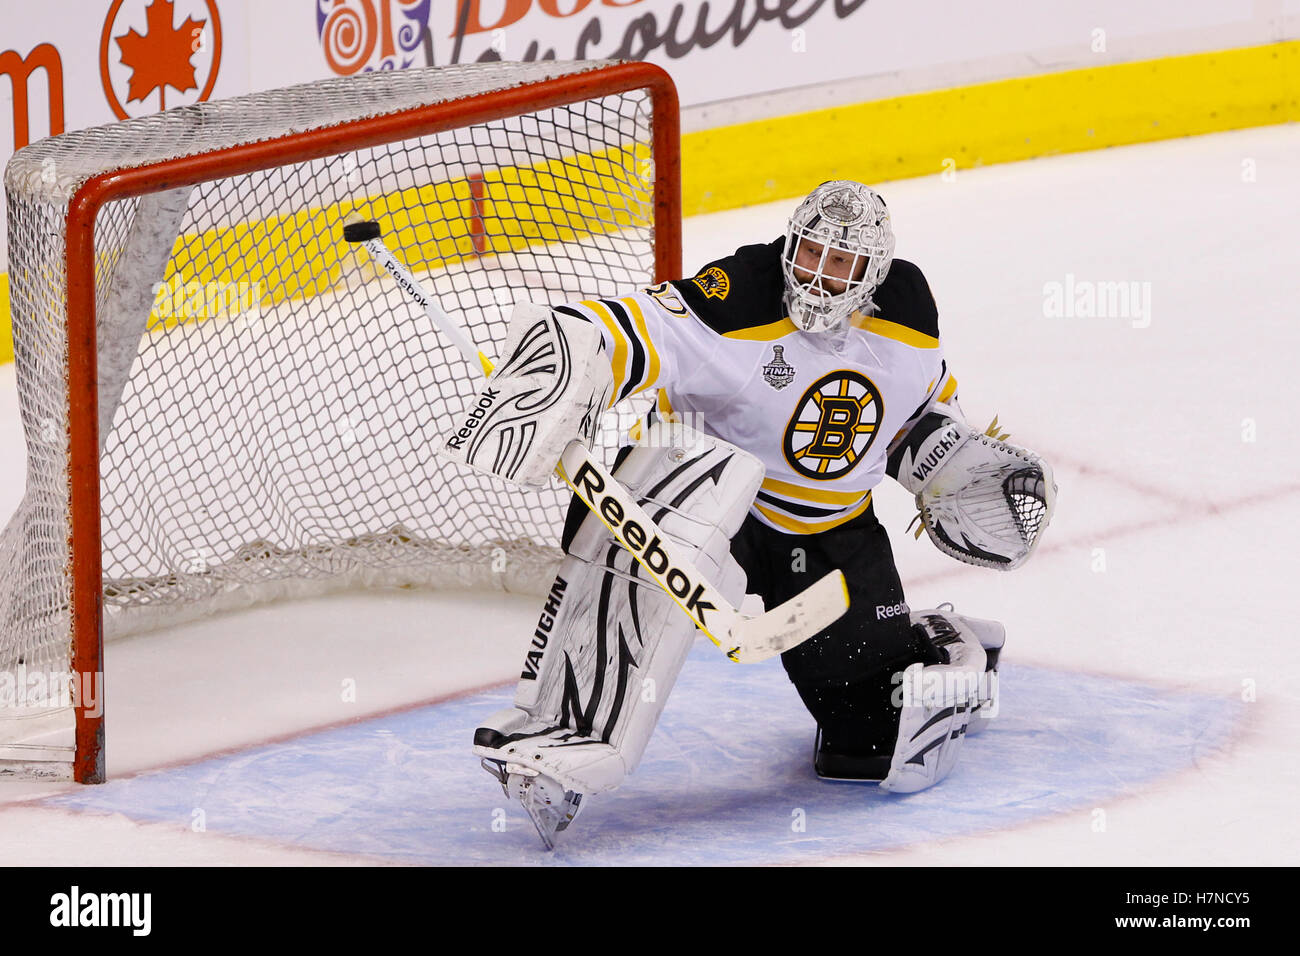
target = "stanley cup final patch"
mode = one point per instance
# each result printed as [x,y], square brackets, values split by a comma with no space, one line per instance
[778,373]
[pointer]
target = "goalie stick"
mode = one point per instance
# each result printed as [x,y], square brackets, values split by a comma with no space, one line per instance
[743,639]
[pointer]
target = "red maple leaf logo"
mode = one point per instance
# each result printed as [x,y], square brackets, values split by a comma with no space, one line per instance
[161,57]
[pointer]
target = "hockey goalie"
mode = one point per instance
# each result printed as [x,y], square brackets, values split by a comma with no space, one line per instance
[792,377]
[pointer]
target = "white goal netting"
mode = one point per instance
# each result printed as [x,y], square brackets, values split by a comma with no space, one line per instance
[269,407]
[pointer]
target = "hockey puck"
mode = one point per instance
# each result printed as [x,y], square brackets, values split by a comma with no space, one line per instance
[361,231]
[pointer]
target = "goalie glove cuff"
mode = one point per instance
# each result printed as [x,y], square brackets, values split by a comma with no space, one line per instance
[919,454]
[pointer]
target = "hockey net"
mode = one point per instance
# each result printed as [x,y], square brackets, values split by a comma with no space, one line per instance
[222,405]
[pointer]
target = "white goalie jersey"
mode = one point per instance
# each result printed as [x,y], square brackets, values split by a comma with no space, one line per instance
[819,411]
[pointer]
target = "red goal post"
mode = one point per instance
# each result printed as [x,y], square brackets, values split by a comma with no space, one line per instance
[576,200]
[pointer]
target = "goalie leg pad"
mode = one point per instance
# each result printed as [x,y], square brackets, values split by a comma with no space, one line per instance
[992,636]
[609,644]
[935,703]
[932,702]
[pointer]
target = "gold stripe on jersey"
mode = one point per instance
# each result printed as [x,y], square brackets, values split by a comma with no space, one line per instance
[621,345]
[892,330]
[652,372]
[666,413]
[764,333]
[812,495]
[804,526]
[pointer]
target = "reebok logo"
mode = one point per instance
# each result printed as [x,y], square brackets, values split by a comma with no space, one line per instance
[381,254]
[476,416]
[891,610]
[677,582]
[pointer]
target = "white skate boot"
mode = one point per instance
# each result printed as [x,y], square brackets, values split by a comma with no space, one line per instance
[547,803]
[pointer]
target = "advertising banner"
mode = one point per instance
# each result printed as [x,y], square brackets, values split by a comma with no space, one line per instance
[68,64]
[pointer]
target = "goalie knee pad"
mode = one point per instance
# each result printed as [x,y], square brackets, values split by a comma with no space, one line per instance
[609,643]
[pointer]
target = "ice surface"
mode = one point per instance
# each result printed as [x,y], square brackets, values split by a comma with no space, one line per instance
[727,778]
[1149,702]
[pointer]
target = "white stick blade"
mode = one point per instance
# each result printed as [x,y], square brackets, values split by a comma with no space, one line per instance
[790,624]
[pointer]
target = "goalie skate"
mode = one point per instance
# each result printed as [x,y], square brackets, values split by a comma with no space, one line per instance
[547,803]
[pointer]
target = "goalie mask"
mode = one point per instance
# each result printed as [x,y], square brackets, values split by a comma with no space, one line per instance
[838,249]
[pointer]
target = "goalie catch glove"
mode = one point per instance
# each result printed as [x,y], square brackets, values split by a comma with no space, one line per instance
[550,387]
[982,501]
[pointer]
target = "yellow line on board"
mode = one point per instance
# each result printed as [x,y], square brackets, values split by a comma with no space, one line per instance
[997,122]
[732,166]
[6,329]
[222,271]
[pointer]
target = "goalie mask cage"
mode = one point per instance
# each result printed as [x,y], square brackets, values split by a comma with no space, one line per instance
[224,405]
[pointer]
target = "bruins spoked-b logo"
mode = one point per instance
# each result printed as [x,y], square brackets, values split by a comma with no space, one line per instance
[834,425]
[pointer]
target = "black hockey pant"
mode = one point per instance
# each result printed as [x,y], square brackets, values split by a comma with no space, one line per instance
[843,674]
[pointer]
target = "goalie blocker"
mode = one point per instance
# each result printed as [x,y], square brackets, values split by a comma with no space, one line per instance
[550,387]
